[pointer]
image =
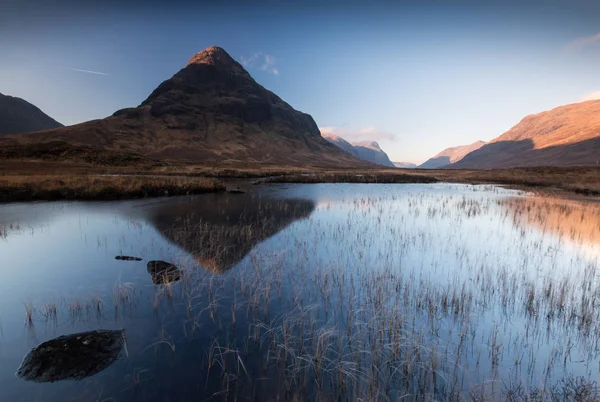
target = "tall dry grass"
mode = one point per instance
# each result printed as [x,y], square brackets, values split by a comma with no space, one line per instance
[90,187]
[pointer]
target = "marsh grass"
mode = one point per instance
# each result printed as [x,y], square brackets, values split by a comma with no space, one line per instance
[584,180]
[349,177]
[91,187]
[79,308]
[28,180]
[363,334]
[29,311]
[123,294]
[579,180]
[341,310]
[50,311]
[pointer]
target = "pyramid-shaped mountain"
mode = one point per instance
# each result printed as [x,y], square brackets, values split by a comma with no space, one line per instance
[211,112]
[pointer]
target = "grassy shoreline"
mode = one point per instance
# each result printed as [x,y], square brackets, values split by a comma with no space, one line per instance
[584,181]
[349,178]
[40,180]
[102,188]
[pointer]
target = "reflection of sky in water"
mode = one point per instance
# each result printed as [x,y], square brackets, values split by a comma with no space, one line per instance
[449,237]
[77,246]
[434,236]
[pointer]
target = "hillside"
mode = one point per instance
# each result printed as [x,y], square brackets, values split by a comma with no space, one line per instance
[366,150]
[19,116]
[370,151]
[450,155]
[340,143]
[565,136]
[405,165]
[212,112]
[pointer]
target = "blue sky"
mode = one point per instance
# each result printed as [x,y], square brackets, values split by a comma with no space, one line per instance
[416,76]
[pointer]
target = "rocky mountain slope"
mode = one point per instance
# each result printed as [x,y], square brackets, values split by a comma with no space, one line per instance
[340,143]
[366,150]
[212,112]
[565,136]
[19,116]
[405,165]
[450,155]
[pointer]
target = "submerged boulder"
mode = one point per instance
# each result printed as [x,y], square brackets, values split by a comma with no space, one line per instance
[72,357]
[127,258]
[163,272]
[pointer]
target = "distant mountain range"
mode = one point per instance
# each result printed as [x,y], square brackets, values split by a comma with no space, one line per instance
[19,116]
[405,165]
[565,136]
[450,155]
[366,150]
[211,112]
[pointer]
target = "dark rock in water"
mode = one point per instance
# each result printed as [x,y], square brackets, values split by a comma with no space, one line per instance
[236,190]
[72,357]
[163,272]
[127,258]
[160,266]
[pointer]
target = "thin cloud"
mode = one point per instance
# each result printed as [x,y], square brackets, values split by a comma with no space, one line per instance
[582,42]
[591,96]
[88,71]
[327,129]
[261,61]
[365,134]
[374,132]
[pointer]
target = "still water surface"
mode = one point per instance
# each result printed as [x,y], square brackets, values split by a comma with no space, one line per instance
[307,292]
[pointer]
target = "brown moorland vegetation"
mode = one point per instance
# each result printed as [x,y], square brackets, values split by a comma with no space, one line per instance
[579,180]
[90,187]
[30,179]
[584,180]
[351,177]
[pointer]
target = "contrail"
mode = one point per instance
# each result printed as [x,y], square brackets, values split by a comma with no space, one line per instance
[88,71]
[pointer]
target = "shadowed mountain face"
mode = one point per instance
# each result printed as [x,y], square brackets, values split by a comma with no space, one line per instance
[219,230]
[565,136]
[505,154]
[370,151]
[340,143]
[19,116]
[405,165]
[211,112]
[450,155]
[366,150]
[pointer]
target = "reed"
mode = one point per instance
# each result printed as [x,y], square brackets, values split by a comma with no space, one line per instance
[93,187]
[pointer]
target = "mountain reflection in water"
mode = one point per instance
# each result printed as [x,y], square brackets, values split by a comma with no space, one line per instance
[576,223]
[219,230]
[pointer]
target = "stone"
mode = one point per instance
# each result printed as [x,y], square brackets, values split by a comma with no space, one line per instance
[163,272]
[72,357]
